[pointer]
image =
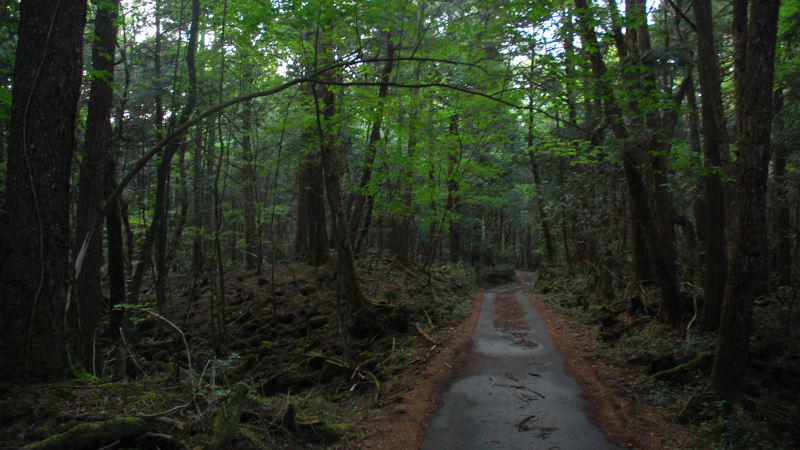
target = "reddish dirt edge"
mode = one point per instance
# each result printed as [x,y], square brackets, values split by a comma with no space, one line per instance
[624,420]
[401,424]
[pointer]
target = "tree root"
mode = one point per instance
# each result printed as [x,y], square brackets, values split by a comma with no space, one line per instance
[687,366]
[426,337]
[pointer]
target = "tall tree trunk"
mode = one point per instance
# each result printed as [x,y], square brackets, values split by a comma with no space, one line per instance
[453,202]
[197,203]
[116,269]
[658,147]
[537,180]
[313,189]
[163,172]
[642,215]
[301,231]
[783,232]
[249,182]
[91,185]
[374,142]
[349,286]
[164,166]
[747,275]
[38,341]
[658,144]
[403,235]
[716,260]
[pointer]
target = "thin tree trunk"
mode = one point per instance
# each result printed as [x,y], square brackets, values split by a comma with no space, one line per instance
[783,232]
[116,270]
[249,182]
[91,185]
[312,179]
[640,206]
[716,261]
[197,206]
[162,174]
[403,234]
[159,210]
[222,349]
[537,180]
[374,142]
[349,286]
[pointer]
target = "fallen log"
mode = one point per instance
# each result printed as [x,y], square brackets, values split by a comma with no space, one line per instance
[94,435]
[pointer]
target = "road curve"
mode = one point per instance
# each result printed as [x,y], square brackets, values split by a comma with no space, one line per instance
[517,394]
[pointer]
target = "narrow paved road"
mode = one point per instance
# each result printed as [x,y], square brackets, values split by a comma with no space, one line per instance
[518,395]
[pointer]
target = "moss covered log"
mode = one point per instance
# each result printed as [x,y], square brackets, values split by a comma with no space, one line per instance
[94,435]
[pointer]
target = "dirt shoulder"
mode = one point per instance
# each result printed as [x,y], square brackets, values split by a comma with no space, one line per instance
[401,423]
[625,420]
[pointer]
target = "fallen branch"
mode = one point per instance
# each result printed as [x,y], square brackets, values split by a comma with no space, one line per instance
[164,413]
[329,360]
[520,387]
[426,337]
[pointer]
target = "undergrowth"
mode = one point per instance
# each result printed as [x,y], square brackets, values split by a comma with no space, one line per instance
[638,341]
[310,374]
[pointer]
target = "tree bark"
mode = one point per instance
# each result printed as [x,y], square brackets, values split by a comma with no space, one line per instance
[537,180]
[747,275]
[38,341]
[374,141]
[313,203]
[249,182]
[402,239]
[783,232]
[349,286]
[716,261]
[91,185]
[641,213]
[197,204]
[164,166]
[116,268]
[163,173]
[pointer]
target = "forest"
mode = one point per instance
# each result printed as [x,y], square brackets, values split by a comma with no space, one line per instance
[216,216]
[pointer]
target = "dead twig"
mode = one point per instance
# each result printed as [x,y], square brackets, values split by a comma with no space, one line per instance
[188,357]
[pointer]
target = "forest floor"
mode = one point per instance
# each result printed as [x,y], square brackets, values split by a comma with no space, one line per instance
[645,381]
[304,389]
[291,374]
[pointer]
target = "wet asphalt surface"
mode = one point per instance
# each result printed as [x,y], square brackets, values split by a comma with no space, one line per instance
[516,397]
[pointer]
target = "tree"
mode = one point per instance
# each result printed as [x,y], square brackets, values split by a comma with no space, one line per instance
[714,144]
[92,183]
[641,211]
[38,324]
[747,273]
